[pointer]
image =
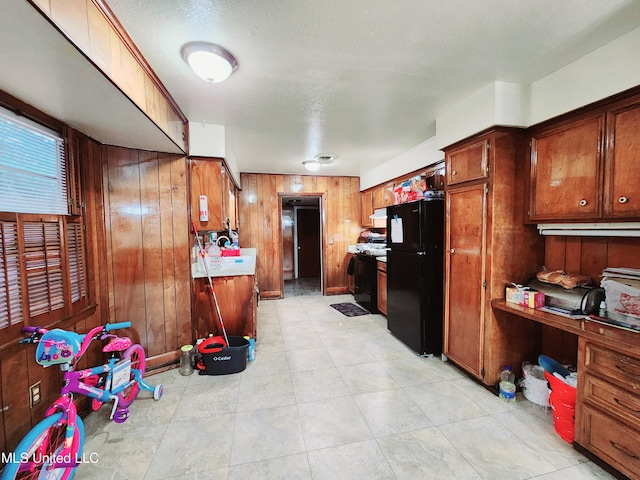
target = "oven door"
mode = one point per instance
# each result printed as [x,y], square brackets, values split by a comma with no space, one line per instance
[365,273]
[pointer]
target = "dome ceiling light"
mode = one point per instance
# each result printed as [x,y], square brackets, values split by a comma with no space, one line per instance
[318,160]
[209,61]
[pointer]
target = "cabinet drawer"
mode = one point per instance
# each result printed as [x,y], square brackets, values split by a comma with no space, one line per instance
[615,400]
[382,266]
[617,366]
[467,163]
[614,442]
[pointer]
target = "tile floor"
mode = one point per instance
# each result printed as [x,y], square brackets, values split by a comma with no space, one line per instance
[329,397]
[302,286]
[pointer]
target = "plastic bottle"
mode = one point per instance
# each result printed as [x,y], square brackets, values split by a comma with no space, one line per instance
[602,311]
[251,352]
[213,251]
[507,385]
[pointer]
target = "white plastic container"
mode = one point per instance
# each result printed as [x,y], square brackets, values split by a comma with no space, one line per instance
[534,386]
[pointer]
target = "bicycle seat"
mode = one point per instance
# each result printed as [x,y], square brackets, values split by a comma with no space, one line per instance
[117,344]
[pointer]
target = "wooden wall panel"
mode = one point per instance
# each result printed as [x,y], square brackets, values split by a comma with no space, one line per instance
[590,255]
[260,224]
[181,250]
[148,248]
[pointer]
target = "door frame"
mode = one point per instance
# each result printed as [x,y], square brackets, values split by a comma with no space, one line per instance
[321,196]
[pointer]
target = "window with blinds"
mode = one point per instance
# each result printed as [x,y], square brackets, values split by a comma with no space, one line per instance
[43,266]
[33,175]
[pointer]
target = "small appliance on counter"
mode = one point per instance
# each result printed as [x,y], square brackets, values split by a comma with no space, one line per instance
[583,300]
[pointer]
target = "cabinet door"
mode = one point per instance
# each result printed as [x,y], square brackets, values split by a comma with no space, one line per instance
[366,204]
[206,179]
[622,177]
[566,171]
[382,289]
[465,276]
[467,163]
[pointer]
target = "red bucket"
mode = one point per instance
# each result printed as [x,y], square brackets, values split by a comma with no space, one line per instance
[563,402]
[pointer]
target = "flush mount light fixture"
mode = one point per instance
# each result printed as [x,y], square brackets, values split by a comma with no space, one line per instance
[312,165]
[209,61]
[318,160]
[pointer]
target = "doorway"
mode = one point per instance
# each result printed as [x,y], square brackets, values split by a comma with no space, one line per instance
[301,221]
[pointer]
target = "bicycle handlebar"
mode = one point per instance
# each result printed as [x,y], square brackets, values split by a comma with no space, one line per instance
[115,326]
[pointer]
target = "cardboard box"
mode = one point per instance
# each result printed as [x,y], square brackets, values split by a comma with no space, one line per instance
[527,298]
[623,300]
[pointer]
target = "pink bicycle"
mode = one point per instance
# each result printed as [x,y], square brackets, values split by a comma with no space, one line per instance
[54,447]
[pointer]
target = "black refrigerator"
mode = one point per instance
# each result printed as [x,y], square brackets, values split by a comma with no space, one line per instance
[415,257]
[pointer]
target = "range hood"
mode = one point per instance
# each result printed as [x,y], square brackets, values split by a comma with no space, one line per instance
[379,214]
[613,229]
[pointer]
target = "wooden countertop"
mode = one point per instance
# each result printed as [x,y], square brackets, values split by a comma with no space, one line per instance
[594,330]
[245,264]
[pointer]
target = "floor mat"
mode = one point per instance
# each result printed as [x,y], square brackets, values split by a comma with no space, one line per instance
[349,309]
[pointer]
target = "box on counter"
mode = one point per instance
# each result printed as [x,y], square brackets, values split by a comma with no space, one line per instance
[525,297]
[623,300]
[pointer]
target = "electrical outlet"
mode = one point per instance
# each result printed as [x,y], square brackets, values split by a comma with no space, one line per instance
[35,394]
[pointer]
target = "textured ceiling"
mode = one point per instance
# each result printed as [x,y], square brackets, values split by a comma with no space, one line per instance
[363,80]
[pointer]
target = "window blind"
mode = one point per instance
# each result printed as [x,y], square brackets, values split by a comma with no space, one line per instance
[76,261]
[32,167]
[43,259]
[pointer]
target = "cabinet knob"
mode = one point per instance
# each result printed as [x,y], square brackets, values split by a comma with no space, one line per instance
[453,172]
[583,202]
[6,408]
[453,250]
[623,200]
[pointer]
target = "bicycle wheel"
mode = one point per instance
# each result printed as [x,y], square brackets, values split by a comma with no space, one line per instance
[137,356]
[43,443]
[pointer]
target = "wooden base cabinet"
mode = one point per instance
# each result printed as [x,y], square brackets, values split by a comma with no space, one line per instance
[608,404]
[237,301]
[487,246]
[382,287]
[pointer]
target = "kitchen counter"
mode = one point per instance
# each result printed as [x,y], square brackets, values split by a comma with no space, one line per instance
[245,264]
[382,259]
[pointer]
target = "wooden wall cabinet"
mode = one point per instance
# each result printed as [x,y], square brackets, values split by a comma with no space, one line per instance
[608,404]
[366,208]
[468,163]
[566,171]
[383,196]
[621,191]
[585,168]
[229,201]
[209,177]
[382,287]
[487,245]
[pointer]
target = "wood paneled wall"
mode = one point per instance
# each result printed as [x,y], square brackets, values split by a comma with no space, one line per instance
[148,262]
[260,224]
[588,256]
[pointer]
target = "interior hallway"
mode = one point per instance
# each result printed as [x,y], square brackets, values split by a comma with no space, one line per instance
[329,397]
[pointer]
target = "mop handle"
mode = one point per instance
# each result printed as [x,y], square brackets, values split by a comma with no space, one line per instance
[206,271]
